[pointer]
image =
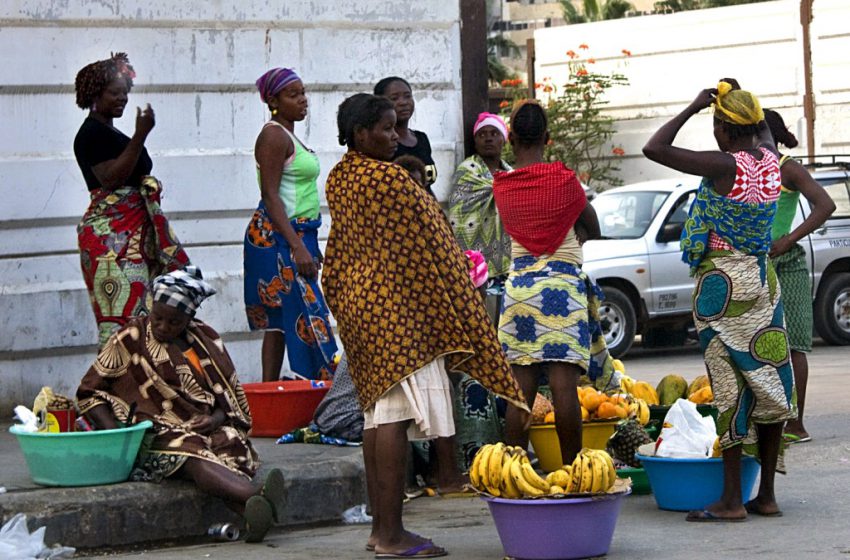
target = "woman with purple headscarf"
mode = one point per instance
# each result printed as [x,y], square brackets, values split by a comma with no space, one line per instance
[282,257]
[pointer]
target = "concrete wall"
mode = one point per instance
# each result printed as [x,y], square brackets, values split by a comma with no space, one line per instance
[676,55]
[196,63]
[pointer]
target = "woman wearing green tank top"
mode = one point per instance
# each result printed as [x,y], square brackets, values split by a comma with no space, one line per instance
[789,260]
[282,258]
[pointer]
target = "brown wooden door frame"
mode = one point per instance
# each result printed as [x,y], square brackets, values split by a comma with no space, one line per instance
[473,65]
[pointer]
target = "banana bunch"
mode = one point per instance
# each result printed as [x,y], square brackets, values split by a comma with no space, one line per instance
[639,410]
[506,472]
[592,471]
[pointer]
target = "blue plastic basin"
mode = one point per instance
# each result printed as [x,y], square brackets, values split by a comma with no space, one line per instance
[693,484]
[81,458]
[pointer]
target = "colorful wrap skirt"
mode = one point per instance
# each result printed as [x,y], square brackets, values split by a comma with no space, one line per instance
[795,281]
[125,242]
[551,314]
[740,320]
[278,298]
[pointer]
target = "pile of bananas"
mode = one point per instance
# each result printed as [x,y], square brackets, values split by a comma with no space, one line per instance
[639,410]
[505,471]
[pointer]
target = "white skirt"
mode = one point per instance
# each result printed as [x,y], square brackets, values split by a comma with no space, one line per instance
[424,397]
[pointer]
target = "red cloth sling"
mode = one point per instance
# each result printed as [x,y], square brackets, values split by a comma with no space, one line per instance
[539,204]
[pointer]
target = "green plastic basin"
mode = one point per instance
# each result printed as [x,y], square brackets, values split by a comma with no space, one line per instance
[640,482]
[81,458]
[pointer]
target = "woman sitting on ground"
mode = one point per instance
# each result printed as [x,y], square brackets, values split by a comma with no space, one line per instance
[407,311]
[173,370]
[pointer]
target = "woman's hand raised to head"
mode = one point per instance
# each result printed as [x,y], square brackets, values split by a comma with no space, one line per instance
[145,120]
[704,99]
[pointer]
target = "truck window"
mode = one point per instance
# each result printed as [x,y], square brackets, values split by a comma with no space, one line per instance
[839,191]
[627,215]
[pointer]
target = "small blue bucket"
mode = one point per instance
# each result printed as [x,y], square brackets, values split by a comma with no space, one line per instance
[693,484]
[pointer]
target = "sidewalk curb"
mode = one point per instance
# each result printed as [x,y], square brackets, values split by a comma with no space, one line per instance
[131,513]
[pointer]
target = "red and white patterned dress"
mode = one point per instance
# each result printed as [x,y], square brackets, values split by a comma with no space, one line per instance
[756,181]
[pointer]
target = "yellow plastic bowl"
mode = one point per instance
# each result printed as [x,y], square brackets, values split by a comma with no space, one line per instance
[544,440]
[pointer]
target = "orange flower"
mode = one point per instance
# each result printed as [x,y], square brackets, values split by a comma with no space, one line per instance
[548,89]
[516,82]
[550,142]
[581,72]
[506,83]
[627,52]
[503,104]
[583,177]
[537,85]
[571,54]
[591,61]
[618,151]
[583,46]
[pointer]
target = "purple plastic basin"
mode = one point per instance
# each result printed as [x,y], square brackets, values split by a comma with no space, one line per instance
[556,529]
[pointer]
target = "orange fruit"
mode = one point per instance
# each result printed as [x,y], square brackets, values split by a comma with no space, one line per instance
[585,415]
[550,418]
[607,410]
[592,400]
[621,411]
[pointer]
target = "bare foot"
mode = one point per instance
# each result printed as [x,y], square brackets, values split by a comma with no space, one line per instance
[765,508]
[373,540]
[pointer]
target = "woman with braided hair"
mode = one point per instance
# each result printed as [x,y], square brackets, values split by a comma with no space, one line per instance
[737,308]
[281,248]
[124,238]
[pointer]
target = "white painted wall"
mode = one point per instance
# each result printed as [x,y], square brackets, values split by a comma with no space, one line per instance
[196,63]
[675,56]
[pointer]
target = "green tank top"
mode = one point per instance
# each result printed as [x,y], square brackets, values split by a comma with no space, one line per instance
[298,189]
[786,209]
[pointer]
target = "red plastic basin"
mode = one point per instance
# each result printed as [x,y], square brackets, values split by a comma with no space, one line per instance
[278,407]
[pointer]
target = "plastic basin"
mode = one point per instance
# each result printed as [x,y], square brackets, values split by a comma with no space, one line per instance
[81,458]
[640,482]
[658,412]
[692,484]
[278,407]
[563,528]
[544,439]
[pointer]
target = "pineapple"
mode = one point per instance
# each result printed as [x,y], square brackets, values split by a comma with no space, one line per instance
[624,442]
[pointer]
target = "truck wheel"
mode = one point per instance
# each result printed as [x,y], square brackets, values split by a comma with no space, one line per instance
[617,315]
[832,309]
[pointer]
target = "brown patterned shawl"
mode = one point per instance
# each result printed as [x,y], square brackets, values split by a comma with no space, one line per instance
[133,367]
[398,284]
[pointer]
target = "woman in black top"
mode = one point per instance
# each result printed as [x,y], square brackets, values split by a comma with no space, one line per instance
[125,240]
[410,142]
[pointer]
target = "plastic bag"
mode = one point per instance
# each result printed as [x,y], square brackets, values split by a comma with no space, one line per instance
[687,434]
[355,515]
[16,542]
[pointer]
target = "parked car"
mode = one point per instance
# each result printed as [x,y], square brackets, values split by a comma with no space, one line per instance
[647,287]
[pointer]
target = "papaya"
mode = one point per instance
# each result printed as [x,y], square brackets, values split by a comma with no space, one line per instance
[697,384]
[643,390]
[671,388]
[702,396]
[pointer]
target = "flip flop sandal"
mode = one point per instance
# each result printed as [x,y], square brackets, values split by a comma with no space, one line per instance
[259,518]
[274,490]
[424,550]
[706,516]
[793,438]
[371,547]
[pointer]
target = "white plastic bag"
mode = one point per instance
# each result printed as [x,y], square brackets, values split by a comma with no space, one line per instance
[356,514]
[689,435]
[16,542]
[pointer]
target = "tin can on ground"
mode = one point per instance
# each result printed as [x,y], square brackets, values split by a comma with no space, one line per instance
[224,532]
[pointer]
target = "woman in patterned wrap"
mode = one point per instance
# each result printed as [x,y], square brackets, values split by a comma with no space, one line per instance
[737,309]
[550,321]
[124,237]
[399,287]
[173,370]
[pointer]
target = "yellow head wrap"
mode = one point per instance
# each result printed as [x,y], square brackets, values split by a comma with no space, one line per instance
[737,106]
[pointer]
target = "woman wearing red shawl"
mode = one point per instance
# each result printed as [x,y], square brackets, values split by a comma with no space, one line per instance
[549,324]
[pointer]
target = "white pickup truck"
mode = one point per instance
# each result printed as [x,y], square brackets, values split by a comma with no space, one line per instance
[647,288]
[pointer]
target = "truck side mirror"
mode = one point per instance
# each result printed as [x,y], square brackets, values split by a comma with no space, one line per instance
[670,232]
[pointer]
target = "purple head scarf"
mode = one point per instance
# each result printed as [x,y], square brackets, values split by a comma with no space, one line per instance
[275,80]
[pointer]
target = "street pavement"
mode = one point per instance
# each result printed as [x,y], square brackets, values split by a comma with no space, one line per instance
[813,496]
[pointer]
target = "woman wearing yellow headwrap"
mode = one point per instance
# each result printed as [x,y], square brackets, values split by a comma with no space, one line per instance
[736,302]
